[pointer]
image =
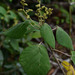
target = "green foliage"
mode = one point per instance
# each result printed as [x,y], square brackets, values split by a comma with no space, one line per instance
[47,34]
[2,10]
[7,15]
[24,41]
[17,31]
[65,13]
[12,15]
[35,60]
[34,26]
[63,38]
[15,44]
[36,34]
[73,0]
[73,56]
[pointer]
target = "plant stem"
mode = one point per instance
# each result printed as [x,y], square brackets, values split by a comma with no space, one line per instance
[31,20]
[61,52]
[54,28]
[58,63]
[70,16]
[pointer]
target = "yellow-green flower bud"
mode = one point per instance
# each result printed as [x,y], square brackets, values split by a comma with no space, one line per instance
[20,9]
[43,7]
[25,4]
[29,10]
[44,16]
[21,2]
[46,9]
[50,9]
[47,12]
[37,14]
[38,5]
[28,16]
[50,13]
[40,16]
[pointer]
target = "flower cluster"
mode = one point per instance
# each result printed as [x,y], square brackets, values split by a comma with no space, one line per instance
[44,15]
[39,12]
[23,3]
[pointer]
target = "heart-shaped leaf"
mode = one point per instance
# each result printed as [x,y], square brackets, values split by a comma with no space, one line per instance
[47,34]
[18,30]
[63,38]
[35,60]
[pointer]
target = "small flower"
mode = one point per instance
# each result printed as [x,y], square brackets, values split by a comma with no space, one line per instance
[43,7]
[47,12]
[25,4]
[20,9]
[38,5]
[28,16]
[46,9]
[29,10]
[44,16]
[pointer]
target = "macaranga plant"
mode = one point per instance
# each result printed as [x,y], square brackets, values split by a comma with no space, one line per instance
[35,59]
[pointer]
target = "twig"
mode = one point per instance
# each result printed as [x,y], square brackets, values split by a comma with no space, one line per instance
[55,71]
[54,28]
[62,52]
[53,3]
[63,3]
[58,63]
[70,16]
[53,63]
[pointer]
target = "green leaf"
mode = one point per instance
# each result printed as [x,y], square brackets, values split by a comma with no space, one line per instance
[36,34]
[47,34]
[32,27]
[6,18]
[64,12]
[73,56]
[12,15]
[15,44]
[18,30]
[35,60]
[63,38]
[1,58]
[2,11]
